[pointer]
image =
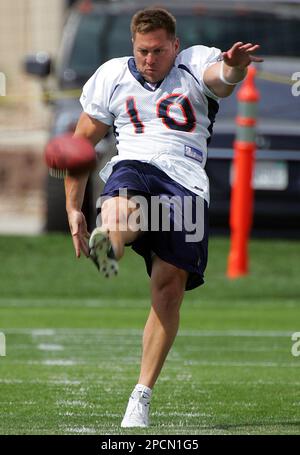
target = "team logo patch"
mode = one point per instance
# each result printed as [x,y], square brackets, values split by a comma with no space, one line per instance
[193,153]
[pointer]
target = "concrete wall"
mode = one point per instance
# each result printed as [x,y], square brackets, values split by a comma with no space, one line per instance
[26,26]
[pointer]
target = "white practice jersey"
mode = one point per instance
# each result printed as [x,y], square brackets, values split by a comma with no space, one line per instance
[167,126]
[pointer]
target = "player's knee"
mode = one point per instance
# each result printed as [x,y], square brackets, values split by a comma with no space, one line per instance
[113,220]
[168,290]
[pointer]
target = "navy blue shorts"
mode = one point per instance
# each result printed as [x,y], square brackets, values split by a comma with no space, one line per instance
[170,245]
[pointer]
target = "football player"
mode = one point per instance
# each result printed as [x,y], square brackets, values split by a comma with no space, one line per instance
[162,104]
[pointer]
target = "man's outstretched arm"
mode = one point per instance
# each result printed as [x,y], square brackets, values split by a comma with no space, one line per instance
[222,77]
[75,185]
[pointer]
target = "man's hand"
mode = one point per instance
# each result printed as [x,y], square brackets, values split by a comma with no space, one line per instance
[75,185]
[79,232]
[240,55]
[222,77]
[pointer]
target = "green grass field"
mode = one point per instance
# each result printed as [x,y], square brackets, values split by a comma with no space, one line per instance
[73,344]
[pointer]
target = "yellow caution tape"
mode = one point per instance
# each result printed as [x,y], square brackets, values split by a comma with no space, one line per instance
[275,78]
[44,96]
[62,94]
[52,95]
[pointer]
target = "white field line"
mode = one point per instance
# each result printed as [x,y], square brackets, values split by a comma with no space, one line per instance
[123,363]
[114,349]
[135,332]
[50,362]
[242,364]
[50,347]
[74,403]
[229,349]
[56,362]
[102,334]
[82,303]
[180,414]
[123,302]
[108,364]
[77,413]
[81,430]
[63,382]
[43,332]
[97,382]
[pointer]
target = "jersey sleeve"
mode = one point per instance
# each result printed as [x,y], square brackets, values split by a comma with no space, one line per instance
[97,92]
[197,59]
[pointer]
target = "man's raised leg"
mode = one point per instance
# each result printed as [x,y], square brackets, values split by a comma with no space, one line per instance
[107,241]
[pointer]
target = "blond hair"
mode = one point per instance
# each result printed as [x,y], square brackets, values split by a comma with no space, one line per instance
[151,19]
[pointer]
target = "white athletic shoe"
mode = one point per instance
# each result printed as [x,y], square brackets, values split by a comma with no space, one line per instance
[137,412]
[102,254]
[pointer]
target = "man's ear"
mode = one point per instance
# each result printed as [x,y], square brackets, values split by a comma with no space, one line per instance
[177,45]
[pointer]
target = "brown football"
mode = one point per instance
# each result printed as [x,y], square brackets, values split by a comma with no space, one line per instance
[69,154]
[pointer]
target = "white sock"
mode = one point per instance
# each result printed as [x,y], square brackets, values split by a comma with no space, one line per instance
[145,391]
